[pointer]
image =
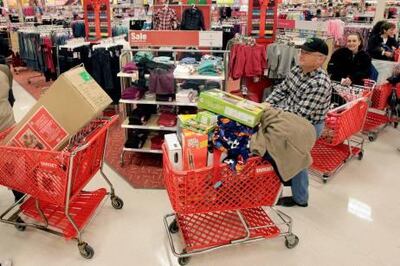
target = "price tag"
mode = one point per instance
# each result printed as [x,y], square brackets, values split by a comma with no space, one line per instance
[210,39]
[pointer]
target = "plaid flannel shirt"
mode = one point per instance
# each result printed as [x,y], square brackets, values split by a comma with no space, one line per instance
[165,19]
[307,95]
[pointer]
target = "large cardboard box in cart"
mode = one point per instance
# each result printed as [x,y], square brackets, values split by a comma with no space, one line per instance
[71,102]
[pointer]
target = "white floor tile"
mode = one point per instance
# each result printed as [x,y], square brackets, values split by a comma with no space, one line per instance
[352,220]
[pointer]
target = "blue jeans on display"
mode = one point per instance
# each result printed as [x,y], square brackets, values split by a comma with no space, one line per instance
[300,181]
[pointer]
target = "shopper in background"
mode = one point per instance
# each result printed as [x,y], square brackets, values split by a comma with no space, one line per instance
[382,43]
[306,92]
[350,64]
[6,113]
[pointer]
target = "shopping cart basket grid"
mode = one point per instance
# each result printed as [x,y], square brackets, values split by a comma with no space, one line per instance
[53,182]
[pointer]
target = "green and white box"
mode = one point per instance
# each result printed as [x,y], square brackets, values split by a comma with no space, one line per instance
[236,108]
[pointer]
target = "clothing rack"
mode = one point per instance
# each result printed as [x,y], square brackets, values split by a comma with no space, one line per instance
[36,60]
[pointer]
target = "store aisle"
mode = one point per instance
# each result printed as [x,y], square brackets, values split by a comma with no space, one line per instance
[352,220]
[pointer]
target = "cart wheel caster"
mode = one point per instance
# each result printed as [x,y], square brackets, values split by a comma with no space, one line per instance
[173,227]
[86,251]
[20,227]
[291,241]
[372,136]
[361,155]
[325,178]
[116,202]
[395,124]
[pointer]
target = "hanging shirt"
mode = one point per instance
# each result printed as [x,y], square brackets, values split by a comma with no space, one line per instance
[165,19]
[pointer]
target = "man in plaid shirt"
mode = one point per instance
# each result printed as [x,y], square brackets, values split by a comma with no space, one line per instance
[306,92]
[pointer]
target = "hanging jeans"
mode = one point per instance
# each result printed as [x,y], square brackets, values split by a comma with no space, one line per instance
[300,181]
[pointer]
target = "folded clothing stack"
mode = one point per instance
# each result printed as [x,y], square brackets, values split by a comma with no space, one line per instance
[157,142]
[139,56]
[136,138]
[167,119]
[184,69]
[186,96]
[130,67]
[163,59]
[209,68]
[162,81]
[141,115]
[188,60]
[132,93]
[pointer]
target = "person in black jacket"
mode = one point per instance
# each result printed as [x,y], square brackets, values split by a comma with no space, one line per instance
[383,44]
[350,64]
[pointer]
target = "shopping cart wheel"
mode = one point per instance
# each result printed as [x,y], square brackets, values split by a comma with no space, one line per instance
[360,155]
[173,227]
[20,227]
[395,124]
[291,241]
[372,136]
[183,260]
[117,203]
[86,251]
[325,178]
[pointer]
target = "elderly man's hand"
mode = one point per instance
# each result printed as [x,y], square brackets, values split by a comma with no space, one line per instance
[265,105]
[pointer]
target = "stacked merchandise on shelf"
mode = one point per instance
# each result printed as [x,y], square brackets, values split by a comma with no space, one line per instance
[159,89]
[97,20]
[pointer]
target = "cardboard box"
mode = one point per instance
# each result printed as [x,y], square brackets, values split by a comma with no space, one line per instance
[194,146]
[207,118]
[191,122]
[241,110]
[174,150]
[71,102]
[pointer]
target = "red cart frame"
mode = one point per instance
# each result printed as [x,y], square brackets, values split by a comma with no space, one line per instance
[53,182]
[379,115]
[216,207]
[338,143]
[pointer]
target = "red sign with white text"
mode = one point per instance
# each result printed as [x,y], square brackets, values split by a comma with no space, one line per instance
[286,24]
[175,38]
[164,38]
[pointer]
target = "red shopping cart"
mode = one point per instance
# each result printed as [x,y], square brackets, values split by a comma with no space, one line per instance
[380,115]
[337,143]
[54,181]
[216,207]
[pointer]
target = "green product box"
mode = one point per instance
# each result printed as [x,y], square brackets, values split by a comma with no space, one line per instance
[236,108]
[207,118]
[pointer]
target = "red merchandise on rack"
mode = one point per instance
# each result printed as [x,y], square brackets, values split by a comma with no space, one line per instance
[53,182]
[217,207]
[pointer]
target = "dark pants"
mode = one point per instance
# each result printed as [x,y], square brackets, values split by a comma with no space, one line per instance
[17,195]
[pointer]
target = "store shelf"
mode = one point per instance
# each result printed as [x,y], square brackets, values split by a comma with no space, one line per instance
[134,75]
[152,124]
[199,77]
[145,149]
[156,102]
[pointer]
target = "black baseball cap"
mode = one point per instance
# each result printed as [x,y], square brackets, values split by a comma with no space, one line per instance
[315,45]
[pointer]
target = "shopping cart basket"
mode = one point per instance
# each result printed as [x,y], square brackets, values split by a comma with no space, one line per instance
[53,182]
[380,115]
[337,143]
[216,207]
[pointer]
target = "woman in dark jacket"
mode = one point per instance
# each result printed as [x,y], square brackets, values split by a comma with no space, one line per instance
[350,64]
[383,44]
